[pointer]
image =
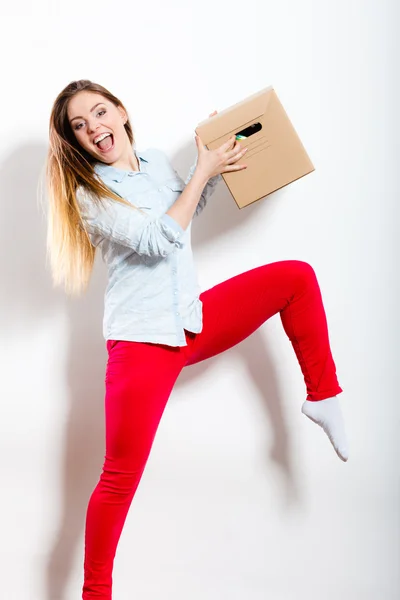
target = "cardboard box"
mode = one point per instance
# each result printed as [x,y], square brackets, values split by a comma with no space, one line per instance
[275,155]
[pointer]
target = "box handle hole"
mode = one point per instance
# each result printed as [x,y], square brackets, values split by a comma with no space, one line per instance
[248,131]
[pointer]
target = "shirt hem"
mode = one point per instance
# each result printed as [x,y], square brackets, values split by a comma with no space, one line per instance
[165,341]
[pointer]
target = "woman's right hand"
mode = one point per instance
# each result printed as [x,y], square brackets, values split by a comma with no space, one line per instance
[220,160]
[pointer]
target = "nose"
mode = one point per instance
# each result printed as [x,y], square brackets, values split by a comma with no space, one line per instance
[92,125]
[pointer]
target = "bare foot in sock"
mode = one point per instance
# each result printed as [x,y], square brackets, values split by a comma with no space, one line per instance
[328,415]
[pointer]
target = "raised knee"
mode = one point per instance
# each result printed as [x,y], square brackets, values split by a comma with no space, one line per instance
[301,267]
[304,267]
[303,272]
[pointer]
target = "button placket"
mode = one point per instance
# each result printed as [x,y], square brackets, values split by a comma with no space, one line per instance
[175,290]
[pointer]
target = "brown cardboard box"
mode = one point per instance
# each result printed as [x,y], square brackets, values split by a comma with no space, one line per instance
[275,155]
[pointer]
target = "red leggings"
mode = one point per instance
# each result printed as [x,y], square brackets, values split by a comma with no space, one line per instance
[140,377]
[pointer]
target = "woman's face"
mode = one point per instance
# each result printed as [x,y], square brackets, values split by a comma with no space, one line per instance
[91,116]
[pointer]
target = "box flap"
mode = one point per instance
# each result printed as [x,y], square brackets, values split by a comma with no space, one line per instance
[235,117]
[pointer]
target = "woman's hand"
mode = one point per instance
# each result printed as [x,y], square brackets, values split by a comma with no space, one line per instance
[220,160]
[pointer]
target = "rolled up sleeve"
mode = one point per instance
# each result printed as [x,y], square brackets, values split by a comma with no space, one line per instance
[128,226]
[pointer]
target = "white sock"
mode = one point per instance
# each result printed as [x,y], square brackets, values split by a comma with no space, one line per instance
[328,415]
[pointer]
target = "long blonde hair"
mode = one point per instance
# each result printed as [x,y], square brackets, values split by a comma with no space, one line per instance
[69,167]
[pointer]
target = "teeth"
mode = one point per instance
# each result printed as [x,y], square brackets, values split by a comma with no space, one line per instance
[101,137]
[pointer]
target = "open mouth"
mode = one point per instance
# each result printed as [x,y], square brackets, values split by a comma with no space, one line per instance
[106,143]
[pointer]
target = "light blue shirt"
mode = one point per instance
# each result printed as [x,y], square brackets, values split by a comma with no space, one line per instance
[152,294]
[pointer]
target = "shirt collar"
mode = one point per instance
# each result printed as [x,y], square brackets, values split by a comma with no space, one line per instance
[114,173]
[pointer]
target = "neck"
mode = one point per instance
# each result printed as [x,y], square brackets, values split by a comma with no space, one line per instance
[128,160]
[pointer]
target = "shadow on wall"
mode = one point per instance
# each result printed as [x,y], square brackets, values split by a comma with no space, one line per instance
[27,297]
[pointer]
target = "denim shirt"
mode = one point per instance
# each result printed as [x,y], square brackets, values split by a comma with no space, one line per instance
[152,293]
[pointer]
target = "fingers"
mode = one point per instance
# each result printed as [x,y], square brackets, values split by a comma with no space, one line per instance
[235,154]
[228,143]
[234,168]
[199,142]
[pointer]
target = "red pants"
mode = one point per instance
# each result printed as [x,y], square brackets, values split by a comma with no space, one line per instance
[140,377]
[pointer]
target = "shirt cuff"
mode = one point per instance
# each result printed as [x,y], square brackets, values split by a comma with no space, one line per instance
[171,228]
[215,179]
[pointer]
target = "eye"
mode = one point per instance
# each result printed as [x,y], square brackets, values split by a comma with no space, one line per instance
[101,112]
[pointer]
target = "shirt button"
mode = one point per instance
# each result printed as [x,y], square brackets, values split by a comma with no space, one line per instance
[177,314]
[175,293]
[159,189]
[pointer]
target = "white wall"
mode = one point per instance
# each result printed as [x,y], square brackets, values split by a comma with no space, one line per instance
[242,497]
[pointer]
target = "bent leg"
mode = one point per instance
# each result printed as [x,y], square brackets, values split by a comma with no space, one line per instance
[235,308]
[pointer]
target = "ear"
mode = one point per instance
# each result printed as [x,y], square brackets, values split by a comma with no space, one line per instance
[123,114]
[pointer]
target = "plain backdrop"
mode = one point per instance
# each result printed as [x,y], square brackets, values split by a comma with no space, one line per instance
[242,497]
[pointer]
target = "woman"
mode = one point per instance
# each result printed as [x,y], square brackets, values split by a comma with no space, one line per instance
[137,210]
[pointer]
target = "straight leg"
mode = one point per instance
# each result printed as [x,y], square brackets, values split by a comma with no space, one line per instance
[139,380]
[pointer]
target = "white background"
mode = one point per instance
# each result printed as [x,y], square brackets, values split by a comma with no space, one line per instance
[243,497]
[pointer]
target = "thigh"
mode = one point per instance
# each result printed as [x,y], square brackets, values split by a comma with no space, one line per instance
[139,380]
[235,308]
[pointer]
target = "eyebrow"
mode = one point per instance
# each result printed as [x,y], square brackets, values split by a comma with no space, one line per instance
[91,110]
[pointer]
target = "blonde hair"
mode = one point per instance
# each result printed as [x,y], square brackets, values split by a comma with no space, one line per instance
[69,167]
